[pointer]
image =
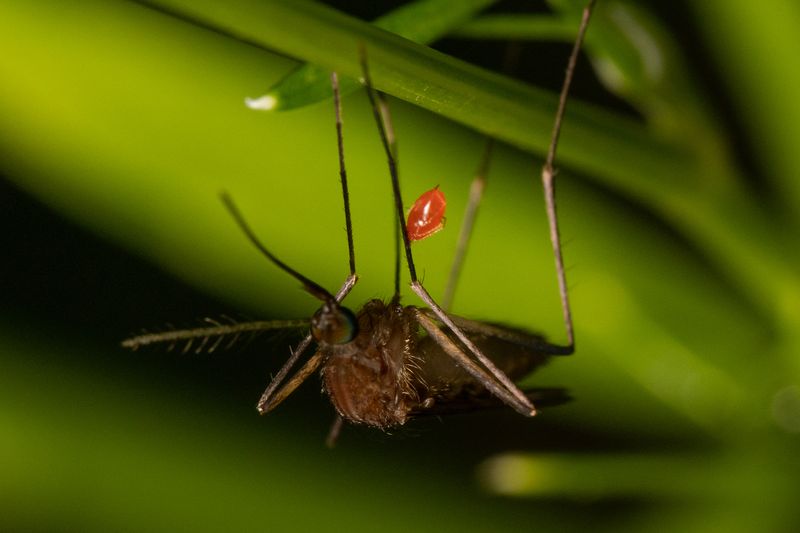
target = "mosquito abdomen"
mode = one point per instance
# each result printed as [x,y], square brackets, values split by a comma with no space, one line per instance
[443,377]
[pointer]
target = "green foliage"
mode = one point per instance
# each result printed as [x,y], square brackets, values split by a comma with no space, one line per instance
[682,252]
[422,22]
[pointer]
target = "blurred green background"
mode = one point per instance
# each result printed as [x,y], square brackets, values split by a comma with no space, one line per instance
[678,197]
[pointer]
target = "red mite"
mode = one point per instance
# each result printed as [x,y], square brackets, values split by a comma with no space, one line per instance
[426,216]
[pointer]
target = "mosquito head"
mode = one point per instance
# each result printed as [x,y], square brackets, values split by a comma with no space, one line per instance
[334,324]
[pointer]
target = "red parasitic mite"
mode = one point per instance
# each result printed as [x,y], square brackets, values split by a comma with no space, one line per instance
[426,215]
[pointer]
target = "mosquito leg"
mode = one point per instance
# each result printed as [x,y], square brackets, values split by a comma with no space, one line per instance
[415,284]
[267,402]
[333,433]
[391,140]
[549,173]
[498,374]
[379,120]
[337,103]
[515,336]
[487,380]
[300,376]
[475,196]
[478,185]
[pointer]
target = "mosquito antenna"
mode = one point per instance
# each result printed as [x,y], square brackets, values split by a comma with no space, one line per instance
[215,330]
[337,103]
[549,173]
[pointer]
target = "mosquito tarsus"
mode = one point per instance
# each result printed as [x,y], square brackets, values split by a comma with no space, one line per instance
[388,362]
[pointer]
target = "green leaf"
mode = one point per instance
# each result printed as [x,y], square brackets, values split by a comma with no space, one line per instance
[422,21]
[518,26]
[756,58]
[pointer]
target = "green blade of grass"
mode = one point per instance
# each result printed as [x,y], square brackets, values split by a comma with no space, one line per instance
[597,141]
[517,26]
[617,476]
[422,21]
[726,489]
[756,53]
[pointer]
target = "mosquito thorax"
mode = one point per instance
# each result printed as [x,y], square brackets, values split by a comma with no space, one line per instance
[372,379]
[334,324]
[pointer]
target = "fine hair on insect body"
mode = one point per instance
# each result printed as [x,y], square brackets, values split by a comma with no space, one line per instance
[388,363]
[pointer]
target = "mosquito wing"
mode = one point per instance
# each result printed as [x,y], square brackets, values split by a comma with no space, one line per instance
[468,403]
[445,387]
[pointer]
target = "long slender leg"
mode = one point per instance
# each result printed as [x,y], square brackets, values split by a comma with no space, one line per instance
[268,396]
[549,173]
[333,433]
[476,188]
[337,104]
[515,336]
[498,374]
[391,140]
[266,402]
[300,376]
[415,284]
[547,178]
[487,380]
[470,214]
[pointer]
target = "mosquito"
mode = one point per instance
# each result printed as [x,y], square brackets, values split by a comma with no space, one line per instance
[389,363]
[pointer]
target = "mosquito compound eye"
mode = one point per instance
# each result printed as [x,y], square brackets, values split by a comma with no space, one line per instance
[333,324]
[426,215]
